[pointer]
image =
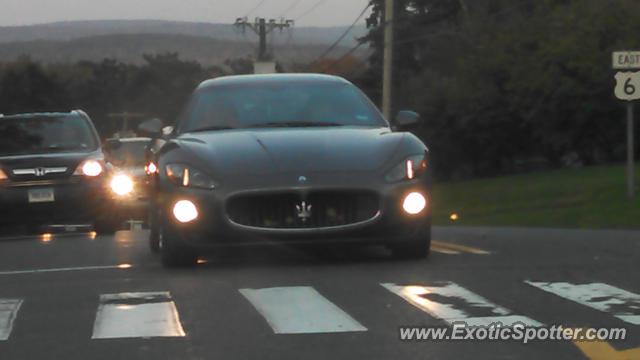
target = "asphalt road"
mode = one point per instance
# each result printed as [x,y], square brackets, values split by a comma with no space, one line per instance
[80,297]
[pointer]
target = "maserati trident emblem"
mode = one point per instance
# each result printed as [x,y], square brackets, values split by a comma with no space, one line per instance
[304,211]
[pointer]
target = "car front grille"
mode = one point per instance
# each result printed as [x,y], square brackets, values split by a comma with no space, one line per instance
[319,209]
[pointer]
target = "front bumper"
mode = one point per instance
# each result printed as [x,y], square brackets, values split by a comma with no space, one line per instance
[76,200]
[214,228]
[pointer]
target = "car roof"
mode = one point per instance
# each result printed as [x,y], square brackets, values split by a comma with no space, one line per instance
[270,78]
[134,139]
[40,115]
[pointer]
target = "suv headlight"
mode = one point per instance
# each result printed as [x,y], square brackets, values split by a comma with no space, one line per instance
[186,176]
[409,169]
[90,168]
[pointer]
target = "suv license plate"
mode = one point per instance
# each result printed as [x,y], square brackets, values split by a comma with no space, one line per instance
[41,196]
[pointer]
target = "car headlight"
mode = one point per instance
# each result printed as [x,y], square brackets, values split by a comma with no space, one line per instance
[409,169]
[91,168]
[122,185]
[184,175]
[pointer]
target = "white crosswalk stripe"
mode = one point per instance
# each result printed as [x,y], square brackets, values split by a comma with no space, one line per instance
[300,310]
[8,312]
[453,303]
[137,315]
[303,310]
[620,303]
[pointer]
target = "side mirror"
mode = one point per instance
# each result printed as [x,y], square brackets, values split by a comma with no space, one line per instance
[167,130]
[407,119]
[113,144]
[151,128]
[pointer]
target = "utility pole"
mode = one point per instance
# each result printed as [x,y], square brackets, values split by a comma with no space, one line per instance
[631,171]
[262,28]
[387,77]
[126,116]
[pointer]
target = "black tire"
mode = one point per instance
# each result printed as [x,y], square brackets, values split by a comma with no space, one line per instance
[106,226]
[172,252]
[154,240]
[154,233]
[415,248]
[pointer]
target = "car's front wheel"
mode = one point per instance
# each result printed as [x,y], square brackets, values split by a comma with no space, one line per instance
[173,252]
[154,232]
[106,225]
[417,246]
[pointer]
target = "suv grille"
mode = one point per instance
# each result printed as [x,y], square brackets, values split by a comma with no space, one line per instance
[319,209]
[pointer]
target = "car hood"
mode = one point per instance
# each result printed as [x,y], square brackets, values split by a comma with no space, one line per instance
[308,150]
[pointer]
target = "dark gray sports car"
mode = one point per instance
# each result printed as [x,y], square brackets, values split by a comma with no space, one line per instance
[291,158]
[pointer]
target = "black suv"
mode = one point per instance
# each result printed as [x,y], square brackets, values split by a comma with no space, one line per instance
[52,172]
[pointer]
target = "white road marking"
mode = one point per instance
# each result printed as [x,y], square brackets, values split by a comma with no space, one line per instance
[452,303]
[8,312]
[137,315]
[300,310]
[53,270]
[620,303]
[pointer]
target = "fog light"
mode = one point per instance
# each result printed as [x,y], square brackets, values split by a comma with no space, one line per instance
[414,203]
[122,185]
[185,211]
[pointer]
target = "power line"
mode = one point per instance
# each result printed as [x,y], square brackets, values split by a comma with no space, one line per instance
[347,31]
[312,9]
[344,57]
[255,8]
[293,5]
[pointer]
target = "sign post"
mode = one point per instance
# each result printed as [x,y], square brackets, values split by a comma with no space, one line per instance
[628,89]
[631,171]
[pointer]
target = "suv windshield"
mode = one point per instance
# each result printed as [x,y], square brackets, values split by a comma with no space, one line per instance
[280,105]
[129,153]
[47,134]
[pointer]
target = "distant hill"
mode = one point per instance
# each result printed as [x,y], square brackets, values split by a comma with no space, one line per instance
[129,48]
[128,40]
[81,29]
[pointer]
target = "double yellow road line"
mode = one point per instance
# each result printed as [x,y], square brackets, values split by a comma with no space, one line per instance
[456,249]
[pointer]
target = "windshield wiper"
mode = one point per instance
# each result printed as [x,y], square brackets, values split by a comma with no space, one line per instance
[212,128]
[298,124]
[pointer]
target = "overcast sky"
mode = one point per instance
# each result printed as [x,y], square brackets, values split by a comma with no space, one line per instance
[327,12]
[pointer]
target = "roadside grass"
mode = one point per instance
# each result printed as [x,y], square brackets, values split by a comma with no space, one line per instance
[592,197]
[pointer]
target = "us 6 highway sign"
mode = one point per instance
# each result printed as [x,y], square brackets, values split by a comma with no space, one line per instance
[628,85]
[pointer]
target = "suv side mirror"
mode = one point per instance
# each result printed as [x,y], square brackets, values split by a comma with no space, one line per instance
[167,131]
[406,119]
[151,128]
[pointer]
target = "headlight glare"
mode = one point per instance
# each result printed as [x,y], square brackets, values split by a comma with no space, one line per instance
[91,168]
[414,203]
[122,185]
[185,211]
[186,176]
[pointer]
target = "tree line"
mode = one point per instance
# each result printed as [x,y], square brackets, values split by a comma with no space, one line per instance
[159,88]
[509,85]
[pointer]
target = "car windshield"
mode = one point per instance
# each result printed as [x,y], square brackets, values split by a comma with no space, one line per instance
[47,134]
[281,105]
[129,153]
